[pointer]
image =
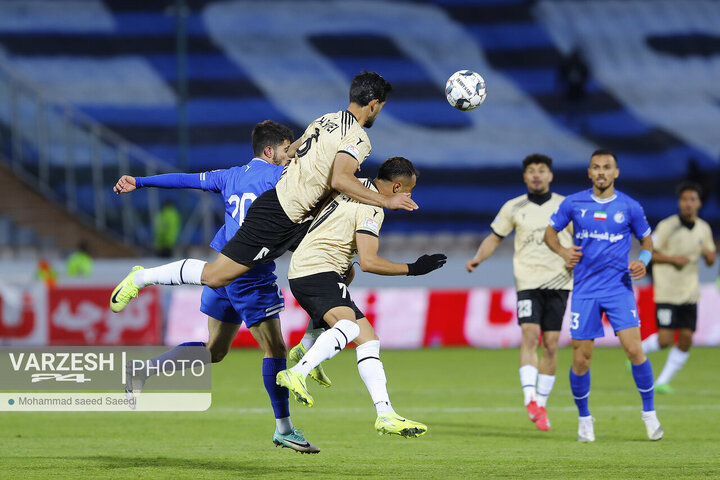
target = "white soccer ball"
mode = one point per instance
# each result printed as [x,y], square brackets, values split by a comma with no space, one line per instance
[465,90]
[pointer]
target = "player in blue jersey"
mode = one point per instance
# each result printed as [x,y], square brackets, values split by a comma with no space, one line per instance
[603,221]
[254,298]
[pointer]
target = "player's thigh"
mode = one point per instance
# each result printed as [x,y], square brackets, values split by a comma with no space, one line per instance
[324,296]
[367,332]
[687,316]
[529,307]
[553,312]
[585,319]
[685,339]
[621,311]
[268,334]
[530,334]
[336,314]
[666,337]
[222,271]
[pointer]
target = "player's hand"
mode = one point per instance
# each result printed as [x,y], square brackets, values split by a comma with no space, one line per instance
[571,256]
[426,264]
[400,201]
[681,261]
[637,269]
[472,264]
[126,184]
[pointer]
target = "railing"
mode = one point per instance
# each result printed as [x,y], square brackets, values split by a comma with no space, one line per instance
[74,160]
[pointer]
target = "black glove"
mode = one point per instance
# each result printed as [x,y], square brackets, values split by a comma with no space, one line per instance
[426,264]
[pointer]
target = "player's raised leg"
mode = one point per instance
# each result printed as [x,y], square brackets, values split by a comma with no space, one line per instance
[580,387]
[344,329]
[296,353]
[189,271]
[643,376]
[372,372]
[269,336]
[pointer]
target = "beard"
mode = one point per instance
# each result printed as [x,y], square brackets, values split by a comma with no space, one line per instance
[369,122]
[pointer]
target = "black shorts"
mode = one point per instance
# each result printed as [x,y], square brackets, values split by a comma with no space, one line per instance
[544,307]
[317,294]
[676,316]
[266,233]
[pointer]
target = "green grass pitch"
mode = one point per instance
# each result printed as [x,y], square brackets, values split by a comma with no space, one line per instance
[470,400]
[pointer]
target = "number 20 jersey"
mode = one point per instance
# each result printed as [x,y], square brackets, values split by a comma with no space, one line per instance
[306,181]
[603,228]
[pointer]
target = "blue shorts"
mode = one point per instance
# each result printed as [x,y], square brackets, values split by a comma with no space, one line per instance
[238,302]
[586,315]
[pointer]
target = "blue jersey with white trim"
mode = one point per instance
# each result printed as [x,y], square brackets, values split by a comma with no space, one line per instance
[240,186]
[603,228]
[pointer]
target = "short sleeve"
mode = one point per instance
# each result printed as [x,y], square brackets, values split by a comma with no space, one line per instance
[562,216]
[660,236]
[638,222]
[369,220]
[708,240]
[503,224]
[214,181]
[356,144]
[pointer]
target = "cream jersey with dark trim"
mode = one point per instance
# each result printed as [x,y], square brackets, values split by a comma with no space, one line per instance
[330,245]
[535,266]
[306,180]
[673,285]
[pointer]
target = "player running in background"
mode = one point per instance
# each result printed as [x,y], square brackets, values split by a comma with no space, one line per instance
[254,298]
[343,228]
[331,150]
[542,281]
[603,221]
[679,242]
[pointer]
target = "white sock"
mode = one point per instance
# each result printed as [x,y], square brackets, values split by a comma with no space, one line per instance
[372,373]
[675,361]
[311,335]
[545,385]
[284,425]
[528,378]
[651,344]
[328,345]
[183,272]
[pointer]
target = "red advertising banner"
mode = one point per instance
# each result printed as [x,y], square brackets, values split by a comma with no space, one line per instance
[81,316]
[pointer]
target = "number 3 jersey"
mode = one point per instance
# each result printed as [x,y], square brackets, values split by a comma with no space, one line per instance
[306,181]
[535,266]
[239,187]
[330,245]
[603,228]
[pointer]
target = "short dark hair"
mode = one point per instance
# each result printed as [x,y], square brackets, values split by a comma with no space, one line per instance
[269,133]
[605,151]
[368,86]
[537,158]
[396,167]
[688,185]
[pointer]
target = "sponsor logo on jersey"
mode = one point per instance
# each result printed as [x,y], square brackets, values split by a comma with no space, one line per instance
[353,150]
[619,217]
[583,211]
[599,215]
[371,225]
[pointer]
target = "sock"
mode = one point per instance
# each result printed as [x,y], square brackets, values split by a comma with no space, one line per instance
[528,378]
[372,373]
[311,335]
[183,272]
[328,345]
[181,352]
[278,395]
[675,361]
[643,376]
[545,385]
[580,386]
[651,344]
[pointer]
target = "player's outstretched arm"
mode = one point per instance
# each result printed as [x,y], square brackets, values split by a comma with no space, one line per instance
[367,246]
[570,255]
[344,181]
[486,248]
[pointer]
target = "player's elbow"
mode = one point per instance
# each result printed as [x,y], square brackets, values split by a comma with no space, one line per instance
[336,182]
[366,264]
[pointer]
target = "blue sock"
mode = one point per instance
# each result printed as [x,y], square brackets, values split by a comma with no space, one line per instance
[643,376]
[278,395]
[580,386]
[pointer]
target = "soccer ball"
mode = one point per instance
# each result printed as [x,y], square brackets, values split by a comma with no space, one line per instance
[465,90]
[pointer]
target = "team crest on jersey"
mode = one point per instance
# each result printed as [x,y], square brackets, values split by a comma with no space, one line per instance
[619,217]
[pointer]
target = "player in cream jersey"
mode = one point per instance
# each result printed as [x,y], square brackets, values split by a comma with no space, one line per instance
[679,242]
[319,281]
[542,281]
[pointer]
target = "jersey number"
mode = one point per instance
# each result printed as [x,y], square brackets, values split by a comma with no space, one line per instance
[240,205]
[324,215]
[305,147]
[343,289]
[574,321]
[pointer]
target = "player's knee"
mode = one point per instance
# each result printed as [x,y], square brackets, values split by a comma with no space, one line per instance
[635,354]
[213,279]
[217,353]
[684,344]
[275,349]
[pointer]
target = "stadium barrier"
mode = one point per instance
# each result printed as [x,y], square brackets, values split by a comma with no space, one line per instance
[404,318]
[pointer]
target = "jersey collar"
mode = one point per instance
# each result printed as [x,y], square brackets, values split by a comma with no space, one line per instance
[603,200]
[351,114]
[540,198]
[261,159]
[686,224]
